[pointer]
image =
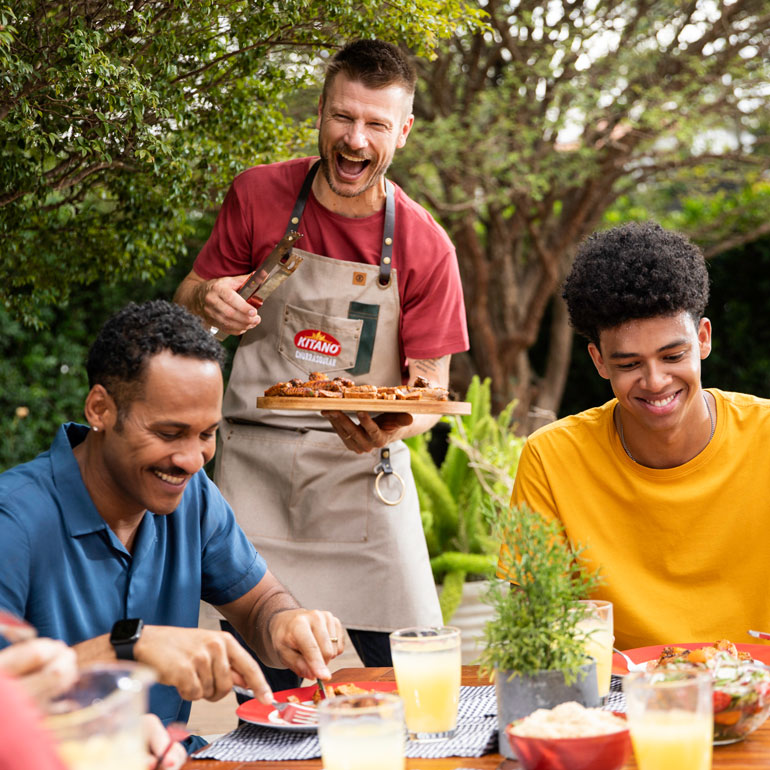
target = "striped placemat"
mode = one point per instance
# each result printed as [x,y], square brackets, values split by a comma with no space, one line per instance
[476,734]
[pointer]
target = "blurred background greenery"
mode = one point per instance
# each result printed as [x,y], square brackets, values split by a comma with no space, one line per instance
[122,123]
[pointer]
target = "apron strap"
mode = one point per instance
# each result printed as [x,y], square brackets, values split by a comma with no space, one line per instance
[386,254]
[299,204]
[386,257]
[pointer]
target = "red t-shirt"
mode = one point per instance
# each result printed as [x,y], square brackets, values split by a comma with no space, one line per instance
[253,219]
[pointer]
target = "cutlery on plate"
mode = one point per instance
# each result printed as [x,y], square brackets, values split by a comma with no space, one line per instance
[759,634]
[630,663]
[322,688]
[293,713]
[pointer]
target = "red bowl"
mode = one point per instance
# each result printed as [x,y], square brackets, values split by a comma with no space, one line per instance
[597,752]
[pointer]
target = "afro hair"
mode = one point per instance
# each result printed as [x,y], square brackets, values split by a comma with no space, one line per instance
[637,270]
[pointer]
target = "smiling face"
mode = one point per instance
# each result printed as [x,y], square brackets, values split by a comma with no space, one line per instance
[654,367]
[360,129]
[162,438]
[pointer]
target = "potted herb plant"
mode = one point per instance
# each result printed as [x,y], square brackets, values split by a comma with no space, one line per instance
[480,462]
[533,646]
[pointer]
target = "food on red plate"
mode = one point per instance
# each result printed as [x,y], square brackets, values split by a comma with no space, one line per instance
[320,386]
[701,655]
[337,689]
[741,685]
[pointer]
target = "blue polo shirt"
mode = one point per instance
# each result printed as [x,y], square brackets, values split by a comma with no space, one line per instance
[64,570]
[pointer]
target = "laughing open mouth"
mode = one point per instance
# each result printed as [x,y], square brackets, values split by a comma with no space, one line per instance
[349,165]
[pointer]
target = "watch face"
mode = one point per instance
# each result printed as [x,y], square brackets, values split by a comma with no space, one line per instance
[126,630]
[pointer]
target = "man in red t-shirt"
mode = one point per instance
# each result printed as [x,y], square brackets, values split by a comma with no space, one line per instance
[377,298]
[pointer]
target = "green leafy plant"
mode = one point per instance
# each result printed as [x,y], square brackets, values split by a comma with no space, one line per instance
[535,623]
[481,461]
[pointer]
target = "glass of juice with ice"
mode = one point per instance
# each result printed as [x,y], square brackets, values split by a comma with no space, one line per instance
[670,718]
[427,664]
[597,628]
[362,732]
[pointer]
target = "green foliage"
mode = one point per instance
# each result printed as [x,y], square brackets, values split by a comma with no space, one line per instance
[481,459]
[535,623]
[119,120]
[570,116]
[43,380]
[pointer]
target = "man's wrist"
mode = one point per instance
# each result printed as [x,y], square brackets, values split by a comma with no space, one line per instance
[124,636]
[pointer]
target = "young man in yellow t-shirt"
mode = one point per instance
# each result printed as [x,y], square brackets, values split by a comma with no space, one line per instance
[666,484]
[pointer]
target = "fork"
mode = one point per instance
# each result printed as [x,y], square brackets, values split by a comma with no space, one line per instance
[297,713]
[293,713]
[630,663]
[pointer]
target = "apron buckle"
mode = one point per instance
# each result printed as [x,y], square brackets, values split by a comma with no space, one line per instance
[384,468]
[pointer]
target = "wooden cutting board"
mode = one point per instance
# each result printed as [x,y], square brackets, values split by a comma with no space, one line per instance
[363,405]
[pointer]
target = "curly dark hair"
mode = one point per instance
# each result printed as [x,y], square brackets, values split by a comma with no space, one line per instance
[637,270]
[374,63]
[118,357]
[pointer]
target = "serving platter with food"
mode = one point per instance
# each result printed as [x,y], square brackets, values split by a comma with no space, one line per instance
[321,393]
[266,715]
[741,680]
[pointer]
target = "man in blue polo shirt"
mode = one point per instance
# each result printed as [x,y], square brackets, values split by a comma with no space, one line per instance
[111,538]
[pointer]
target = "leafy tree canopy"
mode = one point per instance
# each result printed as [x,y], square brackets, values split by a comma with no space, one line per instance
[567,116]
[118,117]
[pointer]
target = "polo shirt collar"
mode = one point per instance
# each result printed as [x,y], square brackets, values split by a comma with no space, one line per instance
[79,514]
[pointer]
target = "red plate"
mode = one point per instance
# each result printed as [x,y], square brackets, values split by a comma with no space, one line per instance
[260,714]
[759,652]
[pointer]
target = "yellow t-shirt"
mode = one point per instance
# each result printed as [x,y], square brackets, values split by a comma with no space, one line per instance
[683,551]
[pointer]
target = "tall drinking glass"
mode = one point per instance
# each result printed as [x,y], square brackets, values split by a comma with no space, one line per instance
[427,664]
[670,717]
[97,724]
[362,732]
[597,627]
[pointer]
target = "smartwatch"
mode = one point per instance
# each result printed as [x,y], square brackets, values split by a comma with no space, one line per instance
[124,635]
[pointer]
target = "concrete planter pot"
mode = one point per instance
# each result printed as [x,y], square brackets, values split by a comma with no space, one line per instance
[522,695]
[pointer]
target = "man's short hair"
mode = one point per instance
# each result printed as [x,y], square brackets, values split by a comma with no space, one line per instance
[374,63]
[120,354]
[635,271]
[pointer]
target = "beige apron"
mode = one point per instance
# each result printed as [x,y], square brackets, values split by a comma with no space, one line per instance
[308,504]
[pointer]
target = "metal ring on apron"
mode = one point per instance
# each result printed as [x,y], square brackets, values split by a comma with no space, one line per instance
[384,468]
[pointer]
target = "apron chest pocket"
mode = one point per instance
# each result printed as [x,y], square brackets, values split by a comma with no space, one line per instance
[315,342]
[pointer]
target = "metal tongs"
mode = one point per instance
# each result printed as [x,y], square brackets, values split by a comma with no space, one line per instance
[278,266]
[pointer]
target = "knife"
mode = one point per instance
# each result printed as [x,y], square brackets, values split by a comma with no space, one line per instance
[760,634]
[279,265]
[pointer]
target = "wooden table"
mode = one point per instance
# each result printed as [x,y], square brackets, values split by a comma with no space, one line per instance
[749,754]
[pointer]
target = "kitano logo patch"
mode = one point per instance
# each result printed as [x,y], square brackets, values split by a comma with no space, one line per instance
[316,346]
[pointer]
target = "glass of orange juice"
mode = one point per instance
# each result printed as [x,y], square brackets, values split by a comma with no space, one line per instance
[427,665]
[670,717]
[599,636]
